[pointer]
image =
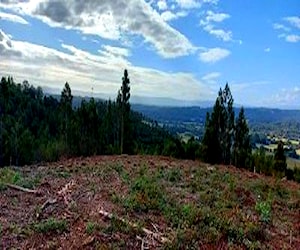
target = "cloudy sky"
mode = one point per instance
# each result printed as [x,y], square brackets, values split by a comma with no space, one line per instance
[180,49]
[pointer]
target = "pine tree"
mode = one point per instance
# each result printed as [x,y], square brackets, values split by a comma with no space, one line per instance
[280,165]
[66,106]
[241,147]
[211,144]
[124,105]
[228,130]
[219,130]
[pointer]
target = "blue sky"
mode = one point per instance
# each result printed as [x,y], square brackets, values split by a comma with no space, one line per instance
[180,49]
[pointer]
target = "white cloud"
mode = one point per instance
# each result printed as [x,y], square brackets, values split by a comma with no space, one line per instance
[278,26]
[214,55]
[12,18]
[111,20]
[292,38]
[226,36]
[289,35]
[216,17]
[102,72]
[208,24]
[168,15]
[188,4]
[211,78]
[293,20]
[162,5]
[286,98]
[117,51]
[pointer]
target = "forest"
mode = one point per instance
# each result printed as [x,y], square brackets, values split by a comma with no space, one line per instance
[35,127]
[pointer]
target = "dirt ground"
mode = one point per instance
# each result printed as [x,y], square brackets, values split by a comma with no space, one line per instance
[68,209]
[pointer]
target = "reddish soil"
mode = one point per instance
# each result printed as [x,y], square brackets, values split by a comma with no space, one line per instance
[80,193]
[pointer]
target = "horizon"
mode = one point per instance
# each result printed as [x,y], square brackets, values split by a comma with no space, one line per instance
[181,50]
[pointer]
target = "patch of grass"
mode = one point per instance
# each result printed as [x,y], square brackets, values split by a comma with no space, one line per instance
[174,175]
[122,227]
[14,228]
[119,168]
[29,182]
[115,198]
[146,193]
[92,227]
[51,225]
[63,174]
[8,175]
[264,209]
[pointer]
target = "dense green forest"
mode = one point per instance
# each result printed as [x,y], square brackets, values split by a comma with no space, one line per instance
[35,127]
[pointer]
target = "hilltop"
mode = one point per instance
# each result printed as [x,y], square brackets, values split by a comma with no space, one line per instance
[137,202]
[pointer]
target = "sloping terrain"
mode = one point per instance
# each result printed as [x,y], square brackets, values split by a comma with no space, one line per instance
[145,202]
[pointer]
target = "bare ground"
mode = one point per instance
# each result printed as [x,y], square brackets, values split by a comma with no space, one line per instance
[197,206]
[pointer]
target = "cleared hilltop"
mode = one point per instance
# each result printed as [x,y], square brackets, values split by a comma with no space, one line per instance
[151,201]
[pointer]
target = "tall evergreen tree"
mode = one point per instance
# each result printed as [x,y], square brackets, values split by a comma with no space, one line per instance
[219,129]
[211,145]
[280,165]
[124,105]
[241,146]
[228,129]
[66,99]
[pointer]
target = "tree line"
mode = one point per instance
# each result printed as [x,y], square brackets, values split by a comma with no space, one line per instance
[226,141]
[35,127]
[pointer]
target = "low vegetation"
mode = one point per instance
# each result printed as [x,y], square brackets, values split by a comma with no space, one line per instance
[10,176]
[51,225]
[187,203]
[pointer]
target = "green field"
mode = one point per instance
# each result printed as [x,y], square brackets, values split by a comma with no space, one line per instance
[292,163]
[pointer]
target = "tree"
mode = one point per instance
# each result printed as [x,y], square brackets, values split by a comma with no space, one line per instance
[211,147]
[66,106]
[241,146]
[219,130]
[228,130]
[124,105]
[280,165]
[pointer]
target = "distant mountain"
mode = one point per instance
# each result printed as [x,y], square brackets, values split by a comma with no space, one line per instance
[197,114]
[168,102]
[134,99]
[173,110]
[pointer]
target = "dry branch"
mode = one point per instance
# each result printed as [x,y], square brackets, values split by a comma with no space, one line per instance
[157,236]
[48,202]
[45,204]
[21,188]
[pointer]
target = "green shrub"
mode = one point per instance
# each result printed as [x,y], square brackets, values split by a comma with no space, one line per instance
[51,225]
[145,193]
[264,210]
[91,227]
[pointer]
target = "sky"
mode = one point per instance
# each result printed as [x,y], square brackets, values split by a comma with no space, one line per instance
[173,49]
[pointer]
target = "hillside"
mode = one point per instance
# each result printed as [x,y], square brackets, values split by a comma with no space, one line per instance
[155,202]
[263,121]
[198,114]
